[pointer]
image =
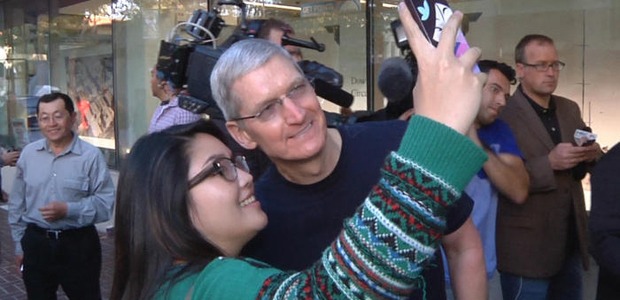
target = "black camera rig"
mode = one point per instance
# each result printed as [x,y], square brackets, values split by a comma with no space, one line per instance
[188,63]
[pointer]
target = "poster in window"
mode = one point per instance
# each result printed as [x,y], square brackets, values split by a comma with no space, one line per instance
[89,84]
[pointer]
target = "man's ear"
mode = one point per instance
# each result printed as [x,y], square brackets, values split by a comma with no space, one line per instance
[73,117]
[519,70]
[240,135]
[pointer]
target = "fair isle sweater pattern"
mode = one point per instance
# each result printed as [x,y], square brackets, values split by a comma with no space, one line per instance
[383,247]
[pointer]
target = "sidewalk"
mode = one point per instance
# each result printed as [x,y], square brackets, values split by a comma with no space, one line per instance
[11,284]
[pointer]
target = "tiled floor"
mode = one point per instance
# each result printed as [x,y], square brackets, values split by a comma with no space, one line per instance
[11,284]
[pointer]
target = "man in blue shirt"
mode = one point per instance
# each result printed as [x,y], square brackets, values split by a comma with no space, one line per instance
[504,171]
[62,188]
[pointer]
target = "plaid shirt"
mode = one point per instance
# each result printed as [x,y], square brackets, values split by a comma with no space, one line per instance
[171,114]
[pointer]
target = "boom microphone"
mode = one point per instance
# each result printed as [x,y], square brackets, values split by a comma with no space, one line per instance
[313,44]
[331,93]
[327,82]
[395,79]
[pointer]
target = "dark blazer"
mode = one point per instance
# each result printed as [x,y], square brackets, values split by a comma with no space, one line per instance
[532,237]
[605,223]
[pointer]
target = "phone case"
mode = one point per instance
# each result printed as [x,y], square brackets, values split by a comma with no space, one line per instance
[431,16]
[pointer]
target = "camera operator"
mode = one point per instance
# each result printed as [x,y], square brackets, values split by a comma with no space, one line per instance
[279,32]
[168,113]
[397,77]
[396,80]
[188,61]
[274,29]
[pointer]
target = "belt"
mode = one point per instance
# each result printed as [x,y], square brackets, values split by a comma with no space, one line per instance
[56,234]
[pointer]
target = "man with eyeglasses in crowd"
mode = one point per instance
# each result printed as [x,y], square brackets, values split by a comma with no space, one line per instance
[319,175]
[542,243]
[62,188]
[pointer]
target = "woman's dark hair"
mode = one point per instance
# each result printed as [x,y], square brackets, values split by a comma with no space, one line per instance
[153,228]
[47,98]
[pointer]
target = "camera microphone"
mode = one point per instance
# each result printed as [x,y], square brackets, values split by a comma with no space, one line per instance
[327,82]
[395,79]
[287,40]
[331,93]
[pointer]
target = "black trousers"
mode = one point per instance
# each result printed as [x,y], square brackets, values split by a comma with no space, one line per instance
[608,285]
[70,258]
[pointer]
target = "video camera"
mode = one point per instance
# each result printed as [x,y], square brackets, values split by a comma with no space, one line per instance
[403,44]
[189,63]
[396,79]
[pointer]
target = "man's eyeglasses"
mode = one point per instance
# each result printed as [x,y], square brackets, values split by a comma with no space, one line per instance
[57,117]
[273,107]
[543,67]
[224,166]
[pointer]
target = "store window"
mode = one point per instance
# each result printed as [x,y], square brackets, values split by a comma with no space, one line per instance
[100,52]
[55,46]
[340,26]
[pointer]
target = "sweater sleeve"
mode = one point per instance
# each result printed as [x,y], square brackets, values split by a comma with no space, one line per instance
[384,247]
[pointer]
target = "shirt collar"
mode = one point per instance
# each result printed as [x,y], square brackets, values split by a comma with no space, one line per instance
[537,108]
[74,146]
[174,101]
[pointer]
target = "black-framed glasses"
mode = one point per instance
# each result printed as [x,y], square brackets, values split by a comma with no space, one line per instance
[273,107]
[226,167]
[543,67]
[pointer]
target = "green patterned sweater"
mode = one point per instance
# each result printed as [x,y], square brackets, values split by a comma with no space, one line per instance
[382,249]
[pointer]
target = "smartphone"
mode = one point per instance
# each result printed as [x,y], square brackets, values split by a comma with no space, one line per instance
[431,16]
[588,143]
[584,137]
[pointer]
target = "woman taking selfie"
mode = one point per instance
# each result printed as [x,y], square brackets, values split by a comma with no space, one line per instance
[185,205]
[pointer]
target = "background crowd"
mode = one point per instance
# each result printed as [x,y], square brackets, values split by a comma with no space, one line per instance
[316,209]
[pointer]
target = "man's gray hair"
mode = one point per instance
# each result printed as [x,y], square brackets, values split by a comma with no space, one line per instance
[240,59]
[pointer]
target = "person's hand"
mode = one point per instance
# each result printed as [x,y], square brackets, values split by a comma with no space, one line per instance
[10,158]
[53,211]
[566,155]
[593,152]
[447,90]
[19,260]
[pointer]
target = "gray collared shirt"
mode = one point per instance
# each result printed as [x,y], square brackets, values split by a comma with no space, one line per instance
[78,176]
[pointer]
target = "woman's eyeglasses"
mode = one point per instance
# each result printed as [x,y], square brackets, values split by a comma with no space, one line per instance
[226,167]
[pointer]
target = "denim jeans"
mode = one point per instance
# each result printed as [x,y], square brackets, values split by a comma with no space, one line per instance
[565,285]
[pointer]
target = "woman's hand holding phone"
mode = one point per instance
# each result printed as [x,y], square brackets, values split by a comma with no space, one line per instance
[447,89]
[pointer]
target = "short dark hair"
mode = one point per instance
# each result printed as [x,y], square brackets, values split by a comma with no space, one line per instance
[272,23]
[153,226]
[526,40]
[47,98]
[486,65]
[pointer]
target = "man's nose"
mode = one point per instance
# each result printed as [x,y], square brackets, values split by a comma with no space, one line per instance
[292,111]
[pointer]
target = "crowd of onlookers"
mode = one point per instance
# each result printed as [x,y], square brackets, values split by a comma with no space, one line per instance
[271,202]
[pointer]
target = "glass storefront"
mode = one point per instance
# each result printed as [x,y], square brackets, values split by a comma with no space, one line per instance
[100,52]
